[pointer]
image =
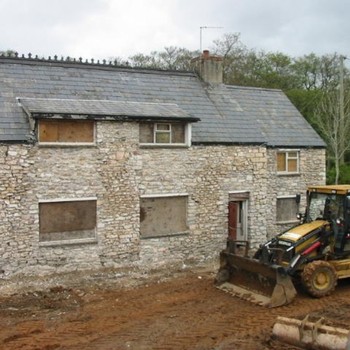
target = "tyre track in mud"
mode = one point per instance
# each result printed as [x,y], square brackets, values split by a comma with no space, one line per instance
[187,312]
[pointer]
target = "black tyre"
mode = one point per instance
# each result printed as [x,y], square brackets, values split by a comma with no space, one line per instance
[319,278]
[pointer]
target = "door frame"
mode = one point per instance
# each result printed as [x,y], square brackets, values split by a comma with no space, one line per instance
[242,200]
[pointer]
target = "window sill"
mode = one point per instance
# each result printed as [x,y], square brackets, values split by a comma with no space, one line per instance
[170,235]
[68,242]
[288,174]
[163,145]
[67,144]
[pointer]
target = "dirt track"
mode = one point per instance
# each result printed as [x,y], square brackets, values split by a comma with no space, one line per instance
[183,312]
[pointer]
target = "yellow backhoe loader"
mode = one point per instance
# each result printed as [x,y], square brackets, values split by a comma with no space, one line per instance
[316,253]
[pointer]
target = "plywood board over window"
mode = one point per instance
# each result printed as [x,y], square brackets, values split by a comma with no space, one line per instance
[66,131]
[67,220]
[163,216]
[287,209]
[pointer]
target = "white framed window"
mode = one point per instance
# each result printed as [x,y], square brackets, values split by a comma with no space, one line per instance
[163,215]
[66,132]
[287,208]
[165,134]
[67,221]
[162,133]
[288,161]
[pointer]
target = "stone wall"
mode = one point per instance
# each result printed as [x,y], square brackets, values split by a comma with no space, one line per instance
[108,171]
[207,174]
[16,210]
[117,172]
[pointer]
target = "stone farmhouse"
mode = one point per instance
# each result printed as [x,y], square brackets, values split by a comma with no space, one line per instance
[103,165]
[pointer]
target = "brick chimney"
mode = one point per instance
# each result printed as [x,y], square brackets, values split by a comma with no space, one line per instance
[209,67]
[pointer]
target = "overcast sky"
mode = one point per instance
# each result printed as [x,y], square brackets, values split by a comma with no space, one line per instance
[121,28]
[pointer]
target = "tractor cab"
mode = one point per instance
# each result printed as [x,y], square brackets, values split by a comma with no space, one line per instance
[332,204]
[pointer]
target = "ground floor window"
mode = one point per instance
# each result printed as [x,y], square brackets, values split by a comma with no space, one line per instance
[287,209]
[67,220]
[163,216]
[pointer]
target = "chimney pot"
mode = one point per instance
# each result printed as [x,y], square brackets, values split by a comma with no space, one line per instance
[206,53]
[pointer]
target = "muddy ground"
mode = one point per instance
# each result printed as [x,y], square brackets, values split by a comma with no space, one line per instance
[180,310]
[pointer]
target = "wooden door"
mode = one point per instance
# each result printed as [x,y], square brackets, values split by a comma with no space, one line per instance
[233,208]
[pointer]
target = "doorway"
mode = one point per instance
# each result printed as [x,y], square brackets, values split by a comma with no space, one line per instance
[237,220]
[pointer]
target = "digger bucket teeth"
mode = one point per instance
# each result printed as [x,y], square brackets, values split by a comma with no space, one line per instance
[249,279]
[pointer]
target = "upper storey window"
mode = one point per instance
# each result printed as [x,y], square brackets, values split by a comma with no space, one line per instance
[58,131]
[172,134]
[288,162]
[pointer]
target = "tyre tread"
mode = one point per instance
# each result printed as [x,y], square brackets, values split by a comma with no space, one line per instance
[308,273]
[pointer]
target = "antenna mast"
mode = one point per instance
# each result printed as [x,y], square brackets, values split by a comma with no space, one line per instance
[200,34]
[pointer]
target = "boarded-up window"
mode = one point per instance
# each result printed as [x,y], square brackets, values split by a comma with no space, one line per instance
[287,209]
[66,131]
[163,216]
[146,133]
[178,133]
[162,133]
[67,220]
[288,162]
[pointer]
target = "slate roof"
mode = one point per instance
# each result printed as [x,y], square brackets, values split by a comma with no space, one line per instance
[228,114]
[249,110]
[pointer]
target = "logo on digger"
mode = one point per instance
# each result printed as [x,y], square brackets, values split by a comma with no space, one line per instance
[288,244]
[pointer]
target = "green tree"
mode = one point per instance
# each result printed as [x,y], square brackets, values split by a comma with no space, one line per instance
[334,126]
[143,61]
[172,58]
[316,72]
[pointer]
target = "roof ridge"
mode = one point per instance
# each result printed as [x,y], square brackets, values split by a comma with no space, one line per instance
[72,62]
[232,87]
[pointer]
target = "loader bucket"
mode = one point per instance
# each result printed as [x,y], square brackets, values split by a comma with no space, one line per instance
[249,279]
[310,335]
